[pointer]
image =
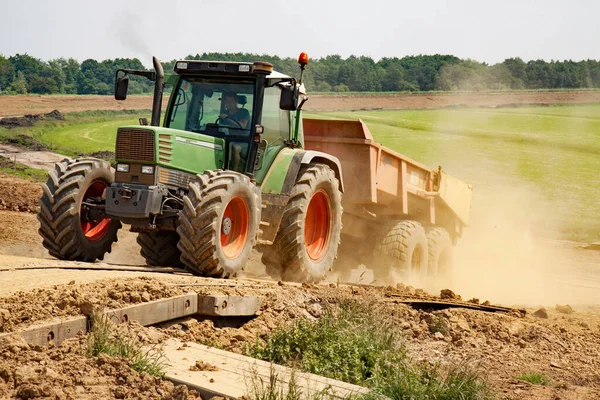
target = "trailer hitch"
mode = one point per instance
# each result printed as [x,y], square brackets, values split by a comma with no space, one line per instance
[126,194]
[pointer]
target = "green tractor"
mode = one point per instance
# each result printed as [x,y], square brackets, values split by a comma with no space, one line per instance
[226,171]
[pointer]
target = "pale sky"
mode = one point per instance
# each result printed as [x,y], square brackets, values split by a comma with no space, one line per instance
[482,30]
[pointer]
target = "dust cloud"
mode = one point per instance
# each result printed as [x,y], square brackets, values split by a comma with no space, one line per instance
[505,256]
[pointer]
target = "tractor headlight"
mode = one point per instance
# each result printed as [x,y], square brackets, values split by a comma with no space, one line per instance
[147,169]
[123,167]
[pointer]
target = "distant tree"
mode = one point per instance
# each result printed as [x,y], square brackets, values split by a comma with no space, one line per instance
[7,73]
[518,71]
[19,84]
[72,72]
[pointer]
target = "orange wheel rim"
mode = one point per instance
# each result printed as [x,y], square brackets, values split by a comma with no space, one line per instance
[94,231]
[317,227]
[234,227]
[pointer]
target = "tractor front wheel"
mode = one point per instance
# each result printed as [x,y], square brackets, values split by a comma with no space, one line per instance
[309,234]
[218,223]
[72,222]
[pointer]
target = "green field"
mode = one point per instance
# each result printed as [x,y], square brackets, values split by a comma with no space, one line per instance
[79,133]
[545,160]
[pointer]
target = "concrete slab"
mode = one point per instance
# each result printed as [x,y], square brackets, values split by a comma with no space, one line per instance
[236,375]
[228,306]
[52,332]
[158,311]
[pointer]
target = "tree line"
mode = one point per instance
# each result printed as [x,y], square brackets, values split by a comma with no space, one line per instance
[21,74]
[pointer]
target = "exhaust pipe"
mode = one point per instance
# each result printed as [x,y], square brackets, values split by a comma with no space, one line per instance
[159,85]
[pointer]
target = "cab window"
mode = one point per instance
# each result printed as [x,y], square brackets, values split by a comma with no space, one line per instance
[211,107]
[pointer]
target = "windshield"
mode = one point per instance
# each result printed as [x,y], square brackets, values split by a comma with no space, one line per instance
[212,107]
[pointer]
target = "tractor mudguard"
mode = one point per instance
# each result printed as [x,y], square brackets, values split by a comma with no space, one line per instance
[276,187]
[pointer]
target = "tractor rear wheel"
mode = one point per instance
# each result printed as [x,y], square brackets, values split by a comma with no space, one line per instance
[218,223]
[72,228]
[159,248]
[440,251]
[402,253]
[309,234]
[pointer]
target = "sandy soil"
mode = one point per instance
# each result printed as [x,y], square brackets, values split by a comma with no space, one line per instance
[32,104]
[564,346]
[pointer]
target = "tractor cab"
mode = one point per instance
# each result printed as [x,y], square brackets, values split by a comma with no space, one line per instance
[246,104]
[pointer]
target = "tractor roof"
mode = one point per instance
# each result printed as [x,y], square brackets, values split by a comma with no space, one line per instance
[227,67]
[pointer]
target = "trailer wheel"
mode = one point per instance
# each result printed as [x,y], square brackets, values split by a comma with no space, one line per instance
[402,253]
[218,223]
[440,251]
[159,248]
[309,234]
[71,228]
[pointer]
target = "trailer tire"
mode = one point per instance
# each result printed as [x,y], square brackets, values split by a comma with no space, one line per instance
[218,223]
[402,253]
[159,248]
[309,234]
[440,251]
[67,229]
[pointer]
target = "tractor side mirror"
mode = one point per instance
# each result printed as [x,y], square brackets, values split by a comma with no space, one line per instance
[289,98]
[121,86]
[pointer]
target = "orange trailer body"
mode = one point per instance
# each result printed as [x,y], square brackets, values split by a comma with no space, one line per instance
[383,184]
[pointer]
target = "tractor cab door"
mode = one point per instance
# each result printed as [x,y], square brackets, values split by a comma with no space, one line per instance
[276,124]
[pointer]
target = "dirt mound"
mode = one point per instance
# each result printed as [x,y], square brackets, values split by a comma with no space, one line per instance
[27,142]
[65,372]
[25,308]
[18,194]
[29,119]
[103,155]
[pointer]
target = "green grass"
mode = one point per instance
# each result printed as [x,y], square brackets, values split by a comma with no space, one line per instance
[103,340]
[353,345]
[22,171]
[551,153]
[80,132]
[536,378]
[276,388]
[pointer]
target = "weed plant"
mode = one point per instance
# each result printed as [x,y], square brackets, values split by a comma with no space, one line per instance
[103,340]
[537,378]
[353,345]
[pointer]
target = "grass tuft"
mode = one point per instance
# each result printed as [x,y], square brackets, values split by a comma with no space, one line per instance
[22,171]
[276,388]
[438,324]
[536,378]
[102,340]
[342,344]
[353,345]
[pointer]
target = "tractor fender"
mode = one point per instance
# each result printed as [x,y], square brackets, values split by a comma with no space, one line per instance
[311,156]
[276,188]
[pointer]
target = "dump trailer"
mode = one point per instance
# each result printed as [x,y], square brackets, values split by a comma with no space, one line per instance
[232,166]
[400,216]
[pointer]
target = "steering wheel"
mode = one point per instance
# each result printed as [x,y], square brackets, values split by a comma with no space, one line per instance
[228,122]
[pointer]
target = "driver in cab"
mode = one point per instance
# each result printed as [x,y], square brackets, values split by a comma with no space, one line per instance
[234,116]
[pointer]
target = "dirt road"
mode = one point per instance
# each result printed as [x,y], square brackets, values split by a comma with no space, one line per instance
[32,104]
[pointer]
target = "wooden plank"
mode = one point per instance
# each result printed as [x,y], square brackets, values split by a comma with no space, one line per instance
[157,311]
[52,332]
[97,267]
[228,306]
[235,374]
[441,304]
